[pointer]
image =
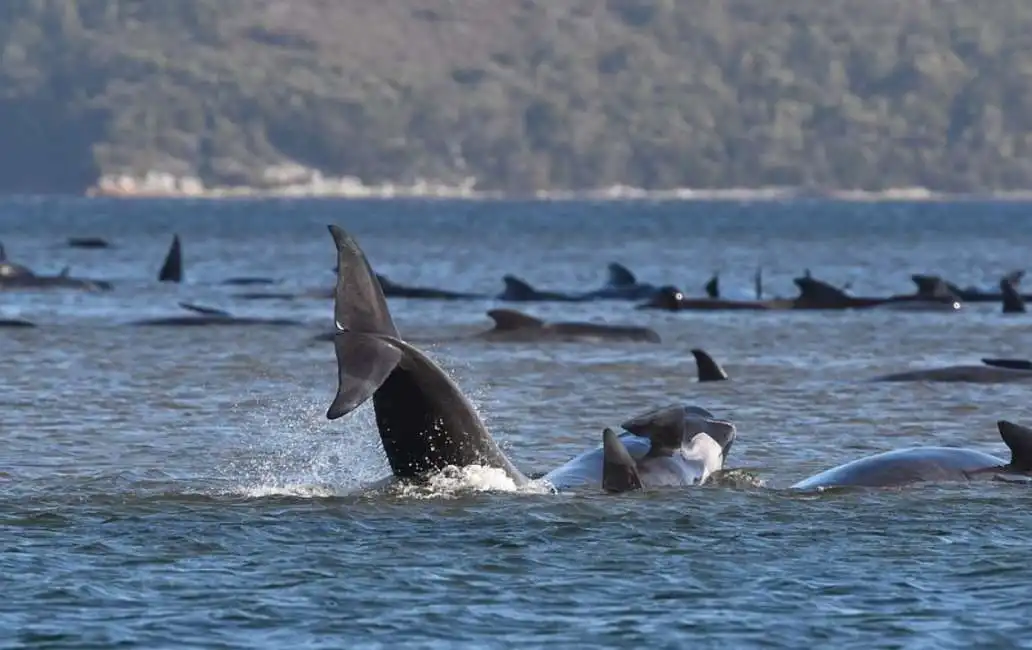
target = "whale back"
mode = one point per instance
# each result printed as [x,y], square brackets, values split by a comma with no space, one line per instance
[510,319]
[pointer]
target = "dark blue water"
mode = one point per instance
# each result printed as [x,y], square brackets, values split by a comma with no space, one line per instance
[182,487]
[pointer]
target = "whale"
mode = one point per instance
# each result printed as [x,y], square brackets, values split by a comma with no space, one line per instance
[1014,364]
[974,294]
[621,284]
[993,371]
[929,464]
[392,289]
[515,326]
[88,242]
[15,323]
[201,316]
[519,290]
[425,422]
[19,277]
[674,446]
[670,298]
[172,269]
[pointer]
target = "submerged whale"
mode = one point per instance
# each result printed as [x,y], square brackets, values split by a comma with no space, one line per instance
[88,242]
[15,323]
[993,371]
[519,290]
[392,289]
[621,284]
[512,325]
[209,316]
[923,464]
[425,422]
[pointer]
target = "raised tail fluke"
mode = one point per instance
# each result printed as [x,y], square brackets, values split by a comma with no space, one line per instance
[172,269]
[366,355]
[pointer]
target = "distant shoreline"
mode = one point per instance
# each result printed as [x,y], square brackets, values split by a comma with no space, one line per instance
[161,186]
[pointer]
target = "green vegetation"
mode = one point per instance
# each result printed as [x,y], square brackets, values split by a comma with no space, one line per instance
[521,94]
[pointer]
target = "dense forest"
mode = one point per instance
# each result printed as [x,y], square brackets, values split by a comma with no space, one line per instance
[521,94]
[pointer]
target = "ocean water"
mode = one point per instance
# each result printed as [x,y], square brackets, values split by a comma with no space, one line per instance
[181,488]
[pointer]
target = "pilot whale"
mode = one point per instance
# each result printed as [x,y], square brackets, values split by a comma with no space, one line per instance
[172,268]
[923,464]
[427,424]
[670,447]
[202,316]
[512,325]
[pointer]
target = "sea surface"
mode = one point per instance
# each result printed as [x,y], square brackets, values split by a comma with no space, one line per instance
[182,488]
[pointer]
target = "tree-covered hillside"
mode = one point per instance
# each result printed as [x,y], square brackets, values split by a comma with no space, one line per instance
[521,94]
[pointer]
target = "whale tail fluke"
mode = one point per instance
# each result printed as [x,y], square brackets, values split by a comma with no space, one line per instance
[619,471]
[172,268]
[1018,439]
[709,370]
[364,329]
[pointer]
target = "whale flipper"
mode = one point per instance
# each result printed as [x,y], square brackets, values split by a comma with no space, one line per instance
[172,268]
[1019,440]
[510,319]
[620,276]
[206,311]
[709,370]
[619,471]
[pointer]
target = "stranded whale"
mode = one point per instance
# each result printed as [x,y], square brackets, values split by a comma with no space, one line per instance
[922,464]
[427,424]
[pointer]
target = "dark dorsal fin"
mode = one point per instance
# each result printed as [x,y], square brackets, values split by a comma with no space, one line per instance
[510,319]
[3,253]
[932,286]
[206,311]
[620,276]
[1019,439]
[619,471]
[709,370]
[758,283]
[172,269]
[65,272]
[811,288]
[364,357]
[663,427]
[713,286]
[1013,364]
[517,288]
[384,281]
[1013,303]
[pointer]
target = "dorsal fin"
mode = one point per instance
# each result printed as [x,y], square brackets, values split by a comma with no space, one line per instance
[619,471]
[709,370]
[172,268]
[620,276]
[510,319]
[713,286]
[3,253]
[517,288]
[206,311]
[1013,303]
[811,288]
[664,427]
[384,281]
[1019,439]
[65,272]
[758,283]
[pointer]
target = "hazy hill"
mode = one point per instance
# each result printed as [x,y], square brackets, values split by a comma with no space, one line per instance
[521,93]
